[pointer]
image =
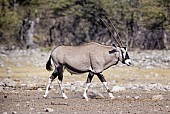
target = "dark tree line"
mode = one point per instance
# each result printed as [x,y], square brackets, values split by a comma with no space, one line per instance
[145,24]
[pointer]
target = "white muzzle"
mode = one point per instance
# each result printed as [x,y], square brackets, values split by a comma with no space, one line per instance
[128,62]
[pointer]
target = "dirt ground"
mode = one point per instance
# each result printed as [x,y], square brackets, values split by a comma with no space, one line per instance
[26,95]
[31,102]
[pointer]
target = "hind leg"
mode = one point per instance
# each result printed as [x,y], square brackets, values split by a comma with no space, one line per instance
[60,79]
[52,77]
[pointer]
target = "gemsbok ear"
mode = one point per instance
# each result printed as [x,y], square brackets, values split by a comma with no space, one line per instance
[114,49]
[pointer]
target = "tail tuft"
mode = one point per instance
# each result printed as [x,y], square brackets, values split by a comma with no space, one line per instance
[49,65]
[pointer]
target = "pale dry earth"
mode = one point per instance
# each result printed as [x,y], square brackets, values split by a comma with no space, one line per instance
[143,88]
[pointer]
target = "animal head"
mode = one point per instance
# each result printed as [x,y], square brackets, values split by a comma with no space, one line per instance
[124,56]
[125,59]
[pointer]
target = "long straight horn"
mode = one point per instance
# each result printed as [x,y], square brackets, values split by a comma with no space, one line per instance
[116,32]
[110,32]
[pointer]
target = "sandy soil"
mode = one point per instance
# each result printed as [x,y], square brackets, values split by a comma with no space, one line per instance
[31,102]
[30,79]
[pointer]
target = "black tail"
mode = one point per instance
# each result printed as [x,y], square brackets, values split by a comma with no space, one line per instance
[48,64]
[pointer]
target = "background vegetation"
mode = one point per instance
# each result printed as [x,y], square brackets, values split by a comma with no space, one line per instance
[145,24]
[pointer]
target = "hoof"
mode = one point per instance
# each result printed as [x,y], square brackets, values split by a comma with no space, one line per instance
[112,97]
[86,98]
[65,97]
[44,96]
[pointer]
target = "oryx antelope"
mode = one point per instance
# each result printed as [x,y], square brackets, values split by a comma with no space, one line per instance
[92,57]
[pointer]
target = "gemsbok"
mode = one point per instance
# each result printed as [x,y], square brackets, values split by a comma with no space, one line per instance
[92,57]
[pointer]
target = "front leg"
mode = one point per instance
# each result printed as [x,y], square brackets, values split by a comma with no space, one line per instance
[102,79]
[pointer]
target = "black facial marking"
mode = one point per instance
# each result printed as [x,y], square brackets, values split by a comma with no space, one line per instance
[123,59]
[124,48]
[127,56]
[112,51]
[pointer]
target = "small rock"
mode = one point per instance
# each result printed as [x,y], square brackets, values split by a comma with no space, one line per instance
[127,97]
[4,113]
[49,110]
[113,82]
[149,67]
[1,88]
[53,103]
[167,87]
[157,97]
[5,96]
[1,83]
[23,84]
[31,85]
[14,112]
[131,86]
[156,75]
[2,64]
[73,88]
[32,109]
[97,93]
[8,82]
[9,71]
[17,105]
[39,89]
[118,88]
[79,89]
[136,97]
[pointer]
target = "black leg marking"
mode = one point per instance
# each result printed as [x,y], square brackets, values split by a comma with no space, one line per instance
[90,77]
[60,79]
[54,75]
[88,81]
[101,77]
[60,73]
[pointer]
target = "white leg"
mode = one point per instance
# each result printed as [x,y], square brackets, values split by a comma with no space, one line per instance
[110,94]
[47,88]
[85,91]
[62,89]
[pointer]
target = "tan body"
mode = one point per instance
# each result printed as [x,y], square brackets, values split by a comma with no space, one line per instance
[89,57]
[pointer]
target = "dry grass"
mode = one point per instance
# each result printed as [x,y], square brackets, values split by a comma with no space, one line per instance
[122,75]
